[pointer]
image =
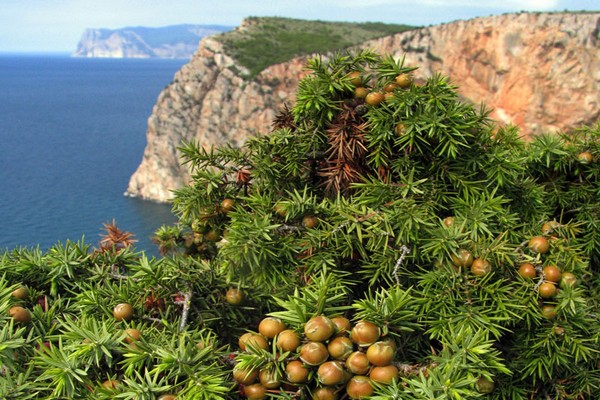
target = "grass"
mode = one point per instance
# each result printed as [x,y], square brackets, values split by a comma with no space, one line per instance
[271,40]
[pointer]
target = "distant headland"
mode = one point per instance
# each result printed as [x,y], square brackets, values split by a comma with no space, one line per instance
[174,41]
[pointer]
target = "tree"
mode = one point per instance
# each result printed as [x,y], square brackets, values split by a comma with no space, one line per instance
[382,218]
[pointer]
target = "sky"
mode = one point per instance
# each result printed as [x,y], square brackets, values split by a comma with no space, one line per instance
[57,25]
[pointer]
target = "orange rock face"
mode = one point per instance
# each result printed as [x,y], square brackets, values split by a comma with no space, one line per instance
[537,71]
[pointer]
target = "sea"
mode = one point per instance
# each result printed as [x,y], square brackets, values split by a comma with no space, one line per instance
[72,132]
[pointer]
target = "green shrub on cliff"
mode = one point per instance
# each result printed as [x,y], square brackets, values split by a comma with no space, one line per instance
[457,259]
[270,40]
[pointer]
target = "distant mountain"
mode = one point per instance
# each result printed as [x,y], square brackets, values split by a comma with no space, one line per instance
[175,41]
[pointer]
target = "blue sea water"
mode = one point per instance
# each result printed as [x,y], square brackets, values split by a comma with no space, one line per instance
[72,132]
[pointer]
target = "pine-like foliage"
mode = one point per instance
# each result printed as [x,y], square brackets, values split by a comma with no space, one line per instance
[375,200]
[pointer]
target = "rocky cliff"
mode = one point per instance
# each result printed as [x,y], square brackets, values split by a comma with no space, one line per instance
[538,71]
[175,41]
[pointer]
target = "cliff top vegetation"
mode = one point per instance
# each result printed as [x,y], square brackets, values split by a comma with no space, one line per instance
[264,41]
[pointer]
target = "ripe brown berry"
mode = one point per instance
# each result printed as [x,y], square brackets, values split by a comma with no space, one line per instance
[227,205]
[462,258]
[324,393]
[110,383]
[313,353]
[234,296]
[358,363]
[448,221]
[319,328]
[527,270]
[390,341]
[287,340]
[547,290]
[296,372]
[342,324]
[20,293]
[374,98]
[361,92]
[539,244]
[340,347]
[359,387]
[331,373]
[403,80]
[167,396]
[400,129]
[548,311]
[552,273]
[280,210]
[123,312]
[270,327]
[568,279]
[244,339]
[390,87]
[355,78]
[585,157]
[549,227]
[132,335]
[255,391]
[269,378]
[365,333]
[559,330]
[385,374]
[481,267]
[380,354]
[20,314]
[310,221]
[253,340]
[245,376]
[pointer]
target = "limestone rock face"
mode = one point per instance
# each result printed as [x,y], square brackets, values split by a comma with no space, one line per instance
[208,102]
[537,71]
